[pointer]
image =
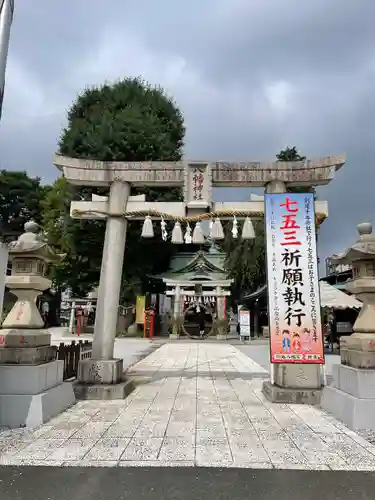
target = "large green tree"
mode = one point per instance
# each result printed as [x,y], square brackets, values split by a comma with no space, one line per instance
[20,201]
[126,121]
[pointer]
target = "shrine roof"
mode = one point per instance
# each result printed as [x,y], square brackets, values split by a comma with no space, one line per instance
[199,265]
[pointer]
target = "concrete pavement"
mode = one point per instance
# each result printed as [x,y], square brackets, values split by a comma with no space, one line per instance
[202,407]
[78,483]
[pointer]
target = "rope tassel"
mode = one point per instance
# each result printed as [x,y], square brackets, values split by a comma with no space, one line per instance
[177,236]
[198,238]
[147,229]
[248,232]
[217,232]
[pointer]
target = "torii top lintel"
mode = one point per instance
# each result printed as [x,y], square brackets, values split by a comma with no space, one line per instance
[200,175]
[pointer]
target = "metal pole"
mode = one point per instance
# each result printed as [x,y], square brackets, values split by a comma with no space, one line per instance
[6,18]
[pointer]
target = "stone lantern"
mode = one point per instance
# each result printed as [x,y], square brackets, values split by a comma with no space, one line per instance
[31,379]
[352,396]
[358,350]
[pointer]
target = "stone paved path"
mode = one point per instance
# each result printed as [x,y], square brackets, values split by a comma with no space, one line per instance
[202,406]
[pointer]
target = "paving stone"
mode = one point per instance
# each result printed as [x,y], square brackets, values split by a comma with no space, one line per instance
[120,430]
[107,449]
[151,429]
[142,449]
[213,451]
[72,450]
[198,408]
[214,430]
[294,465]
[39,449]
[248,452]
[90,463]
[177,449]
[157,463]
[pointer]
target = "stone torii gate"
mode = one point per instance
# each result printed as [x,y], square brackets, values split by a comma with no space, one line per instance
[197,178]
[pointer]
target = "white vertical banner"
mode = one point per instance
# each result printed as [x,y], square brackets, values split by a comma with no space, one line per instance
[296,334]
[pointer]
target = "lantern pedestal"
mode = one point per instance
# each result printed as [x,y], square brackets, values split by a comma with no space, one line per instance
[30,395]
[32,390]
[351,397]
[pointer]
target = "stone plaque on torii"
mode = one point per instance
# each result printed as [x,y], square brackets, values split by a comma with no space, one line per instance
[197,179]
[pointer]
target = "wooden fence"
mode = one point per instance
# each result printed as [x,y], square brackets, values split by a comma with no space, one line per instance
[72,354]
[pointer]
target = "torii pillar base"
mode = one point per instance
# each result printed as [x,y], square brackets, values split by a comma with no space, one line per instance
[294,383]
[102,379]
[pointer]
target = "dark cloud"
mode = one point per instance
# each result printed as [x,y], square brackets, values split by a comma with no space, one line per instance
[250,76]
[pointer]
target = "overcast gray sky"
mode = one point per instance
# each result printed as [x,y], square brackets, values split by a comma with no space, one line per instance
[251,77]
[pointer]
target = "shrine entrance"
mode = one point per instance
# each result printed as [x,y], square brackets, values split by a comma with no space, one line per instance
[198,318]
[197,179]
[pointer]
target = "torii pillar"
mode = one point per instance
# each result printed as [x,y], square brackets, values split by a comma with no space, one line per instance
[103,375]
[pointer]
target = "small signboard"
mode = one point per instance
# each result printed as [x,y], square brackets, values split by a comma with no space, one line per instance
[244,319]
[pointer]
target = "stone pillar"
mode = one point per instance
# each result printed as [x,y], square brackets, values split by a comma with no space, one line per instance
[31,380]
[71,317]
[351,398]
[221,334]
[292,383]
[175,334]
[3,273]
[103,370]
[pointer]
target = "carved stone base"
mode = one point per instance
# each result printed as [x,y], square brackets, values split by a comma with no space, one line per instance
[23,337]
[100,372]
[284,395]
[297,376]
[28,355]
[358,350]
[104,392]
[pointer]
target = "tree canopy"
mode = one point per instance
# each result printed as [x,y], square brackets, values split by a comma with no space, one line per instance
[290,154]
[20,201]
[125,121]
